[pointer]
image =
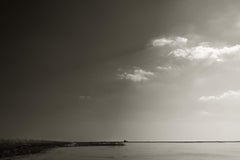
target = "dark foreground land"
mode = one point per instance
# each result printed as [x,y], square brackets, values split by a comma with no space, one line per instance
[10,148]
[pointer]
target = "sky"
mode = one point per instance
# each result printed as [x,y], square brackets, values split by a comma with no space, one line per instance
[114,70]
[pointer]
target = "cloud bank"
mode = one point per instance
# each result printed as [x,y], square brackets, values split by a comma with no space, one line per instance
[172,42]
[184,48]
[205,52]
[137,75]
[225,95]
[164,68]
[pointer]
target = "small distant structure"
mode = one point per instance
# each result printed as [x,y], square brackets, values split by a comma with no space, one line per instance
[125,141]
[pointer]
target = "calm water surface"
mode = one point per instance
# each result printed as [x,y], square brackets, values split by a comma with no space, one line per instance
[145,151]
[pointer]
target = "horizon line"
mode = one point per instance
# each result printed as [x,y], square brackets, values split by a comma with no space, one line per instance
[181,141]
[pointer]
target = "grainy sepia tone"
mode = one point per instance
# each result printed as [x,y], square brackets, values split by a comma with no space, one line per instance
[98,72]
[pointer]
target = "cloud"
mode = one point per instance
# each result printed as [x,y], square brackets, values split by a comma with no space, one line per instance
[192,50]
[82,97]
[228,94]
[164,68]
[205,52]
[177,41]
[137,75]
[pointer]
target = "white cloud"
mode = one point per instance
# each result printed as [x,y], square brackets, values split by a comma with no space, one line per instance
[137,75]
[191,50]
[228,94]
[205,52]
[177,41]
[179,53]
[161,42]
[164,68]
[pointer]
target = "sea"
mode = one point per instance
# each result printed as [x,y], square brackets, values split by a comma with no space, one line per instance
[143,151]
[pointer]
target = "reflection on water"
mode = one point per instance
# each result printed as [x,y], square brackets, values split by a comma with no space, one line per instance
[147,151]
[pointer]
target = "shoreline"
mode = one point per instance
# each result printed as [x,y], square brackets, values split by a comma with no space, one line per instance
[11,148]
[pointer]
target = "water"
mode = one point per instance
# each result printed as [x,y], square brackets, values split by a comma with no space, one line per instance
[145,151]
